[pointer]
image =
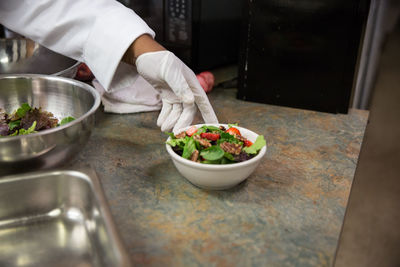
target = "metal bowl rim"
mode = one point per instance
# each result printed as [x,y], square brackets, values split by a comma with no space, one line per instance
[60,73]
[83,85]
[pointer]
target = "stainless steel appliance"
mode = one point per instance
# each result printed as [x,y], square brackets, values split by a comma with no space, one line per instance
[203,33]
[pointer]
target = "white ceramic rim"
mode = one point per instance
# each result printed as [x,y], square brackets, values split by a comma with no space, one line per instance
[201,166]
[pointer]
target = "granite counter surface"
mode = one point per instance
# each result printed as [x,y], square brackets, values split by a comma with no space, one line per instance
[289,212]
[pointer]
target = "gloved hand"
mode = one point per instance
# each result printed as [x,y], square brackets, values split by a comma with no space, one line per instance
[179,90]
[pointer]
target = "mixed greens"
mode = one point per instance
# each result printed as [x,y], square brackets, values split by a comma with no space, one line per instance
[26,120]
[215,145]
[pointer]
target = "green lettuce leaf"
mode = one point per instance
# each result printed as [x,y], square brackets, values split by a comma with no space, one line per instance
[189,148]
[181,142]
[23,109]
[172,135]
[258,144]
[229,156]
[224,160]
[226,137]
[66,120]
[212,153]
[210,128]
[14,124]
[23,131]
[230,125]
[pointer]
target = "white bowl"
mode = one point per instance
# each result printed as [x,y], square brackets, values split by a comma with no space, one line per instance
[217,177]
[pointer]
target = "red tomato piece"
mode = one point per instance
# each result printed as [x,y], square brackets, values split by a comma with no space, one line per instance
[233,131]
[210,136]
[248,143]
[192,130]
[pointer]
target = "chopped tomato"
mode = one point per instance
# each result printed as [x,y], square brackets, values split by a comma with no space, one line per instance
[248,143]
[192,130]
[210,136]
[233,131]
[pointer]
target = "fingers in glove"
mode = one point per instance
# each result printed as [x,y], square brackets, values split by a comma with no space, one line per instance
[168,98]
[200,98]
[173,75]
[172,118]
[182,90]
[163,68]
[186,118]
[165,111]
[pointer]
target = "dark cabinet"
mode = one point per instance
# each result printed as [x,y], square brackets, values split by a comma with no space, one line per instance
[301,53]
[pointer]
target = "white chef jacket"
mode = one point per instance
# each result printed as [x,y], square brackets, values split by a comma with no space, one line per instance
[97,32]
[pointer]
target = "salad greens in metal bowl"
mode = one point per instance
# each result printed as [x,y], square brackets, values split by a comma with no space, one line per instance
[48,147]
[27,120]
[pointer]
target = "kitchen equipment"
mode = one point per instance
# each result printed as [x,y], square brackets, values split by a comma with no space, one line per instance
[57,218]
[19,55]
[303,53]
[203,33]
[217,177]
[61,96]
[379,24]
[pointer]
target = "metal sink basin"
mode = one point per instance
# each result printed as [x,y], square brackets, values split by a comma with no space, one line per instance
[57,218]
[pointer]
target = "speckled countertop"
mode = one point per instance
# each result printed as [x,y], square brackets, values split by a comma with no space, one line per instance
[288,213]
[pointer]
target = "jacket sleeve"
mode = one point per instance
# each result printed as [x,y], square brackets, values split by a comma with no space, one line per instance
[97,32]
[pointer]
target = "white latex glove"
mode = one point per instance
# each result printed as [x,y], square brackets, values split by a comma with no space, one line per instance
[179,90]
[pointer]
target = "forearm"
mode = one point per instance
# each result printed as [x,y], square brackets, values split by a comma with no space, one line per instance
[95,32]
[143,44]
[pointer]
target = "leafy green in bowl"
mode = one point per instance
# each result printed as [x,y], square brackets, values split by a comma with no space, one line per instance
[209,144]
[26,120]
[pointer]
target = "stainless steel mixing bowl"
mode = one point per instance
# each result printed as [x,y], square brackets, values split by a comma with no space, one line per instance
[20,55]
[61,96]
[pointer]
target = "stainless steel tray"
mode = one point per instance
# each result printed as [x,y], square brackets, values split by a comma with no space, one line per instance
[57,218]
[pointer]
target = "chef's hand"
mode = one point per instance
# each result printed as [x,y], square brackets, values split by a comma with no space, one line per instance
[179,88]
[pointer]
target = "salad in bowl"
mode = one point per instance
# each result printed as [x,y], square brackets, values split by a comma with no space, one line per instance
[216,156]
[209,144]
